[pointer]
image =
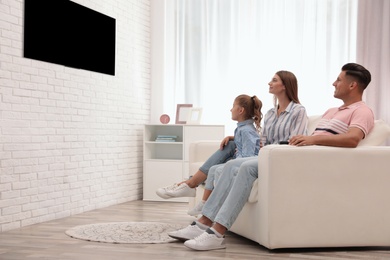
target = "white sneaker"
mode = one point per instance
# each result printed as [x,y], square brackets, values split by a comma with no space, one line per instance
[206,241]
[186,233]
[197,210]
[162,192]
[182,190]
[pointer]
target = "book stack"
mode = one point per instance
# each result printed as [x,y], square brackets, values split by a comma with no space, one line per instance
[166,138]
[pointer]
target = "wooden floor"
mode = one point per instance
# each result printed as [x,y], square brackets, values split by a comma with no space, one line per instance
[49,241]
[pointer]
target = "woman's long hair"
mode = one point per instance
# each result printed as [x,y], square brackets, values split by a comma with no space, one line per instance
[291,83]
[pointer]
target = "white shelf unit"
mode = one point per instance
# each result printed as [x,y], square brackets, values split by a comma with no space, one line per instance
[166,163]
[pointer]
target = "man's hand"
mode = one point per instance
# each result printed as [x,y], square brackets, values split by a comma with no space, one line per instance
[350,139]
[301,140]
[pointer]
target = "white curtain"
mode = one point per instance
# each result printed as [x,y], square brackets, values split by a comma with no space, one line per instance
[373,50]
[218,49]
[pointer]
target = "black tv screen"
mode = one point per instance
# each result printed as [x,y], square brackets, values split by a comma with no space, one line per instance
[66,33]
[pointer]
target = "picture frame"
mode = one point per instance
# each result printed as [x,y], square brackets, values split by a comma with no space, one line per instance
[182,111]
[194,116]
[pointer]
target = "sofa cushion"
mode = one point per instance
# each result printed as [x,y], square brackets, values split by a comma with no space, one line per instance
[312,123]
[378,134]
[253,195]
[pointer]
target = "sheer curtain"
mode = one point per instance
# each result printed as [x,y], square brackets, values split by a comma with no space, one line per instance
[373,50]
[218,49]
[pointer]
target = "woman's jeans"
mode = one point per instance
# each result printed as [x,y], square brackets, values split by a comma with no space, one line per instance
[213,176]
[231,191]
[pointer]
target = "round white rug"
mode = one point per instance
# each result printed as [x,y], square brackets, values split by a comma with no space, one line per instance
[125,232]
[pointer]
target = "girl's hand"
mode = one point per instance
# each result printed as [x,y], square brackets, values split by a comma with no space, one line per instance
[225,141]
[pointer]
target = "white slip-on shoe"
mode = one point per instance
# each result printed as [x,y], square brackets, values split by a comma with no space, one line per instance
[182,190]
[206,241]
[186,233]
[197,210]
[162,192]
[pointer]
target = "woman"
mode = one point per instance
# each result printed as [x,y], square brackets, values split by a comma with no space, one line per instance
[288,118]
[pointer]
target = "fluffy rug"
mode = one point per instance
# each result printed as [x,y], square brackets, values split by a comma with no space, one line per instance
[125,232]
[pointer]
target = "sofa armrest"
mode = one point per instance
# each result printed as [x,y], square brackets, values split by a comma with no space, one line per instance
[200,151]
[320,196]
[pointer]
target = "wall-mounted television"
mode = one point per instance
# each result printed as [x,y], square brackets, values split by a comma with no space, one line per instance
[66,33]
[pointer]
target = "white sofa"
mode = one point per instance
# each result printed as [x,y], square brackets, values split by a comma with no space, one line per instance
[315,196]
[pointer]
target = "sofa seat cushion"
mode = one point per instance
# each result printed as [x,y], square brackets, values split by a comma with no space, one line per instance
[253,196]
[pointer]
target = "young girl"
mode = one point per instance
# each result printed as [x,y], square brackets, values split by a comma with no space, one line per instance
[245,142]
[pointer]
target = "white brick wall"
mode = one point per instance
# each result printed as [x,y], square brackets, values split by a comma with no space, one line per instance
[71,140]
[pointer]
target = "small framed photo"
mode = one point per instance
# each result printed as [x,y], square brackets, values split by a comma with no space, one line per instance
[182,111]
[194,116]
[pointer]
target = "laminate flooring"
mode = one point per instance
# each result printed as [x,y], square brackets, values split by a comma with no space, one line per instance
[49,241]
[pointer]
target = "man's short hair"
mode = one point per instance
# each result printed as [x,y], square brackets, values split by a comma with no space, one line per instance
[358,72]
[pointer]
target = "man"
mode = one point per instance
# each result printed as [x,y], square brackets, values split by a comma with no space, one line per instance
[343,127]
[347,125]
